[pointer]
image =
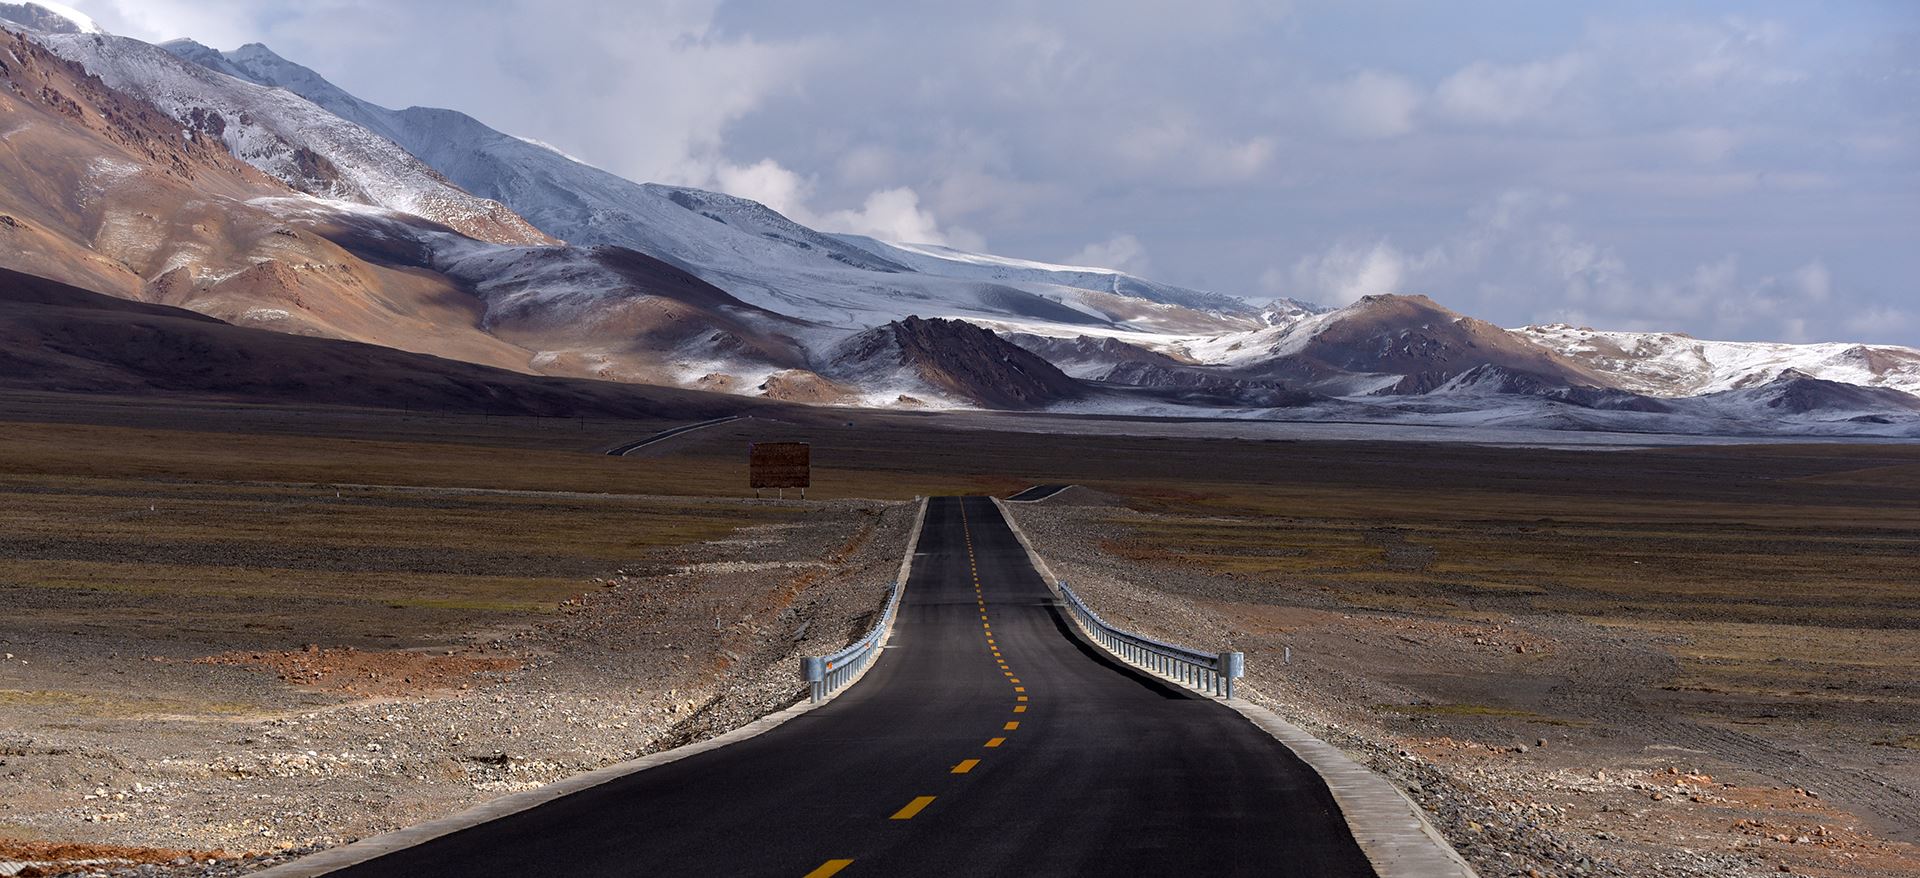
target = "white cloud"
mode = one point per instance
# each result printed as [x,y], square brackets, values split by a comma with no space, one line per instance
[1506,93]
[1813,281]
[1178,147]
[1237,160]
[868,165]
[645,89]
[767,182]
[1371,105]
[1347,271]
[892,214]
[1881,320]
[1517,259]
[1122,252]
[895,215]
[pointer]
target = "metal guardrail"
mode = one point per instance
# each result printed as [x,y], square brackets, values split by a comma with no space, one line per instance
[824,674]
[1208,672]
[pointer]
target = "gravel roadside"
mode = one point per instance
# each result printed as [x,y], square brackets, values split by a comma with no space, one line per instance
[1605,794]
[281,753]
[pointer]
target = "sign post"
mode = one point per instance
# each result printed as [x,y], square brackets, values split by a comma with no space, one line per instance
[780,465]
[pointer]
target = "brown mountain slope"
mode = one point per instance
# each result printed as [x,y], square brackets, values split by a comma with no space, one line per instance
[289,138]
[106,192]
[80,164]
[1415,339]
[954,358]
[55,337]
[601,312]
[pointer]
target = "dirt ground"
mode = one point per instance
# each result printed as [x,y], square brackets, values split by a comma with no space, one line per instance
[241,632]
[196,668]
[1717,714]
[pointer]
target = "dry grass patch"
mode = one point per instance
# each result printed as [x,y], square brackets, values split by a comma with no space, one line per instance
[147,529]
[105,705]
[1480,711]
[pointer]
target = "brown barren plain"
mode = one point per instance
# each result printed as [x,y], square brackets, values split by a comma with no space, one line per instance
[1717,644]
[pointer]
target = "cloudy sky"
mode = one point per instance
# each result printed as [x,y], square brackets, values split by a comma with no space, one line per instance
[1745,170]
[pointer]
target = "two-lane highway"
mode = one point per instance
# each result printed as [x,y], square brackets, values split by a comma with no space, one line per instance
[985,741]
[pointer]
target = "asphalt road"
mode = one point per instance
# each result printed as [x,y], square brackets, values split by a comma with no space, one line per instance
[1038,492]
[974,747]
[631,447]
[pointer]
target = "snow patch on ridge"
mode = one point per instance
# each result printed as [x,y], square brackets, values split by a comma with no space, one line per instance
[1673,364]
[286,136]
[74,18]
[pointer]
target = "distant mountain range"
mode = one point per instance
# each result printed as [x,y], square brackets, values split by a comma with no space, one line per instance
[249,188]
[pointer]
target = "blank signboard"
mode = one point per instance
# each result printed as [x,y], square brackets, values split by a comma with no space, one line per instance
[780,464]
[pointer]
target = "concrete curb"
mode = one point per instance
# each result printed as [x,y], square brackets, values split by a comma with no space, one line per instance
[334,859]
[1392,831]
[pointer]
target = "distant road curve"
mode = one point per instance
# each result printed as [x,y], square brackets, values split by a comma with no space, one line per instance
[663,435]
[1037,492]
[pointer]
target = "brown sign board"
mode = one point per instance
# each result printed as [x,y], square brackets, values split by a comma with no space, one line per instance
[780,464]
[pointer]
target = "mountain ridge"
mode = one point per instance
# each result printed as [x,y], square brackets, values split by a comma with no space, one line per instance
[290,138]
[739,245]
[55,336]
[718,291]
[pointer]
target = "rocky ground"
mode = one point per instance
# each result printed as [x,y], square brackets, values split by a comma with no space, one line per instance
[1540,744]
[182,760]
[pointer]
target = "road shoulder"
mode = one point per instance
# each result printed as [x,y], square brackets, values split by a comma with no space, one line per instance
[1390,829]
[334,859]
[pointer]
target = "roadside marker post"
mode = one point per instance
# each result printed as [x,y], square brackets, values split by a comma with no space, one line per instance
[815,669]
[1235,667]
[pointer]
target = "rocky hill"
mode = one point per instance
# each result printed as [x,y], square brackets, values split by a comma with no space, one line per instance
[952,359]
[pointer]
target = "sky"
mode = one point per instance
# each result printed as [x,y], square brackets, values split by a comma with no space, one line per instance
[1738,170]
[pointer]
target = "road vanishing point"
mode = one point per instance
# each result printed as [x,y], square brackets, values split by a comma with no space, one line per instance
[985,741]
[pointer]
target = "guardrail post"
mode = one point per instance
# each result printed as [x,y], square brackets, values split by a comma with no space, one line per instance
[1233,665]
[814,668]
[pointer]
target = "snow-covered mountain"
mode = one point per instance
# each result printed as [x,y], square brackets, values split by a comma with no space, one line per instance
[105,191]
[288,137]
[914,359]
[952,262]
[1675,364]
[1380,344]
[742,246]
[1793,392]
[426,230]
[53,18]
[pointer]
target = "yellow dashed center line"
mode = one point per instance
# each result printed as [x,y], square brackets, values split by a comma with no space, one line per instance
[966,766]
[829,868]
[918,804]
